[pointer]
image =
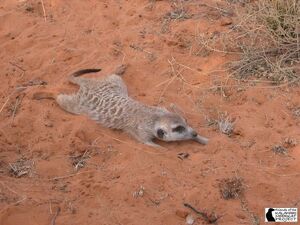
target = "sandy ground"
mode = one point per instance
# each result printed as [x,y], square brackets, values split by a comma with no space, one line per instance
[117,180]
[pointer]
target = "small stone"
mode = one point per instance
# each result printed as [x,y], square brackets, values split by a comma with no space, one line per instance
[225,22]
[139,193]
[183,155]
[238,131]
[289,142]
[181,213]
[48,124]
[190,220]
[240,216]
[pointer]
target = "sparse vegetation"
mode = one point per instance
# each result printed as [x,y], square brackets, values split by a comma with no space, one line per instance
[269,41]
[266,38]
[231,188]
[224,123]
[139,193]
[178,12]
[279,149]
[21,167]
[296,112]
[289,142]
[79,161]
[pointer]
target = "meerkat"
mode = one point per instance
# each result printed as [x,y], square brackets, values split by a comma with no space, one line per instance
[106,101]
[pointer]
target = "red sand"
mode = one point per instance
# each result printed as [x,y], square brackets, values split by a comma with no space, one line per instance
[87,34]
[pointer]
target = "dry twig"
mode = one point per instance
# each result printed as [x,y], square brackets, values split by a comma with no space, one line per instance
[44,10]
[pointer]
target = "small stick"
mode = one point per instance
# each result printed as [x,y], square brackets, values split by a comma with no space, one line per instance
[5,103]
[44,11]
[282,175]
[207,218]
[195,210]
[8,188]
[81,160]
[19,67]
[50,207]
[54,217]
[215,7]
[166,87]
[70,175]
[17,104]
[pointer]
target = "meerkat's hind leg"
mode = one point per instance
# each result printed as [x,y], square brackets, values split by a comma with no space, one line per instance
[121,69]
[69,103]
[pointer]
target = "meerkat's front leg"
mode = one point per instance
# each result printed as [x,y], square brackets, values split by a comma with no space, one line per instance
[143,138]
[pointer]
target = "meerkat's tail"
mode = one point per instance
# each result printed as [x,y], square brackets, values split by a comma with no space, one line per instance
[74,77]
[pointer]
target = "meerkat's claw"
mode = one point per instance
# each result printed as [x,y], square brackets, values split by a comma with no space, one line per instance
[201,139]
[152,144]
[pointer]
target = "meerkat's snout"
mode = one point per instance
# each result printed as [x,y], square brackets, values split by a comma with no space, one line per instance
[200,139]
[196,137]
[172,127]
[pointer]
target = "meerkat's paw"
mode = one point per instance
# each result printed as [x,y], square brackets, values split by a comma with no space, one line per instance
[69,103]
[152,144]
[120,70]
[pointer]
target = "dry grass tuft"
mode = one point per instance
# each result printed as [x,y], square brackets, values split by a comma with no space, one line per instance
[266,38]
[224,123]
[231,188]
[178,12]
[279,149]
[79,161]
[289,142]
[243,2]
[139,193]
[269,41]
[21,167]
[296,112]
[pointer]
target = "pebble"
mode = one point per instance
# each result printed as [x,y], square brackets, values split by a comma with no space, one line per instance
[225,22]
[189,220]
[181,213]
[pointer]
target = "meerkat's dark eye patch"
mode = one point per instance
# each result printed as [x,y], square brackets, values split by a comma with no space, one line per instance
[160,133]
[179,129]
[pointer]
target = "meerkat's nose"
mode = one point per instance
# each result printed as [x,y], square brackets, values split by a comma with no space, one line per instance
[194,133]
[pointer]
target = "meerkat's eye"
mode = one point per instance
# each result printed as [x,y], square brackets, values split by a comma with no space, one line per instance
[160,133]
[179,129]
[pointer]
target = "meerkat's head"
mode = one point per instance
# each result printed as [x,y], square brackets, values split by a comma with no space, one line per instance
[172,127]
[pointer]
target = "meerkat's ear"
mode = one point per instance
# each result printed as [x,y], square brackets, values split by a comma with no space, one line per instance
[160,133]
[175,109]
